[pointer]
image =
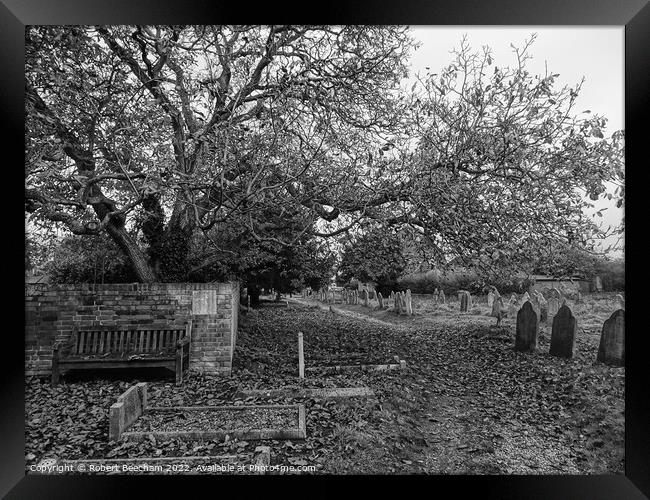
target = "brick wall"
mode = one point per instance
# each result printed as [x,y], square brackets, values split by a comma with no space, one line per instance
[53,311]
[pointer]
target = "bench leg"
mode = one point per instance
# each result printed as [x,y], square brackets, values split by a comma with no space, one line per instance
[55,366]
[179,366]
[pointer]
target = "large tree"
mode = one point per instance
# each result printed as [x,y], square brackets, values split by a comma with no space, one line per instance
[185,128]
[504,168]
[170,138]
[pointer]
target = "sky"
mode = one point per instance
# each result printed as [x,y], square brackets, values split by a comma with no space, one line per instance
[595,53]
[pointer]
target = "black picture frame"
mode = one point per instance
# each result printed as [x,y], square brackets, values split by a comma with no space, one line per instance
[633,14]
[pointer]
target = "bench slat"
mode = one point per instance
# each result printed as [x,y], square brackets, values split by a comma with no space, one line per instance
[82,342]
[103,341]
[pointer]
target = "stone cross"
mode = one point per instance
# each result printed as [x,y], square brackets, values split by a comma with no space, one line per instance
[563,333]
[612,340]
[527,328]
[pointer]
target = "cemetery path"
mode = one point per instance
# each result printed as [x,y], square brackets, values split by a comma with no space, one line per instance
[466,403]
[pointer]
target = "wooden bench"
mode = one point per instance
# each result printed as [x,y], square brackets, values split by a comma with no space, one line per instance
[119,347]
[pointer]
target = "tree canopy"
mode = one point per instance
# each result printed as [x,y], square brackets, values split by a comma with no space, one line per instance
[193,147]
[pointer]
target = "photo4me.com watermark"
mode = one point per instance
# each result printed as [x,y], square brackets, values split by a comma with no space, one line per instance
[53,466]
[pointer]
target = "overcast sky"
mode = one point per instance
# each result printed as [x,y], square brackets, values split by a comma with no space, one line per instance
[596,53]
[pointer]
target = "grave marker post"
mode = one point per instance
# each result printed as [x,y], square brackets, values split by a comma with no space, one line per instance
[301,357]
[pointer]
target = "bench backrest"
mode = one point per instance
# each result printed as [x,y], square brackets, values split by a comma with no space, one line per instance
[115,339]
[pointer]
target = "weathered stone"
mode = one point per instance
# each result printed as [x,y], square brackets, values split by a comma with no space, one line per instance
[465,300]
[527,328]
[490,298]
[525,297]
[553,306]
[497,306]
[543,307]
[441,297]
[620,301]
[408,305]
[563,333]
[498,309]
[380,299]
[612,340]
[513,306]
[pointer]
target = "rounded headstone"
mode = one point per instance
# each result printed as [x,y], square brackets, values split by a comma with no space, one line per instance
[612,340]
[527,328]
[563,333]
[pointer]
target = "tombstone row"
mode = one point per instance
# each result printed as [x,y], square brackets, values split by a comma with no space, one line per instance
[611,349]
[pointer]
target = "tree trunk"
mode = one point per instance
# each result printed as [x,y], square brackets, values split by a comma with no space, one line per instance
[139,261]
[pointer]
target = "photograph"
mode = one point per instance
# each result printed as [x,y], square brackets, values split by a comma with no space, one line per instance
[353,249]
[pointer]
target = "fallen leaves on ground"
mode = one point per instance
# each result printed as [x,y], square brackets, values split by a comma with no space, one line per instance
[467,403]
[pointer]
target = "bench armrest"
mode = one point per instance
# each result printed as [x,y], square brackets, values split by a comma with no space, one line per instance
[62,346]
[182,342]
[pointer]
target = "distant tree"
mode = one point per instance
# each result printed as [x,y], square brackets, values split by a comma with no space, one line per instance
[375,255]
[505,167]
[612,274]
[563,260]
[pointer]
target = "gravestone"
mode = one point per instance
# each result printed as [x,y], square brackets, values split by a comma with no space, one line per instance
[612,340]
[380,298]
[525,297]
[543,307]
[497,309]
[553,306]
[497,305]
[620,301]
[408,304]
[563,333]
[436,295]
[513,306]
[490,298]
[527,328]
[464,299]
[442,296]
[534,301]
